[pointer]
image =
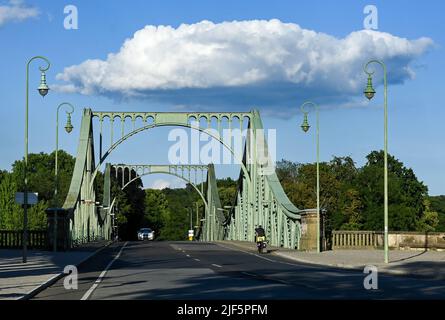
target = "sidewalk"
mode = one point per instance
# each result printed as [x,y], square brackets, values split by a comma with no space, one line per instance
[18,280]
[425,264]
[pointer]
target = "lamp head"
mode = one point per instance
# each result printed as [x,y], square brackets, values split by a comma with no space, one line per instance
[43,87]
[369,90]
[68,127]
[305,126]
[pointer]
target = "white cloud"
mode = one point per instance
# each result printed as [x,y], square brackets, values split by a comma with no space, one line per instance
[162,184]
[15,10]
[269,61]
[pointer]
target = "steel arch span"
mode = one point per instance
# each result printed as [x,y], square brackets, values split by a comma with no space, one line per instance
[189,173]
[260,198]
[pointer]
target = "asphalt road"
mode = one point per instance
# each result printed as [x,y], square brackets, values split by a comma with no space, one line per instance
[207,271]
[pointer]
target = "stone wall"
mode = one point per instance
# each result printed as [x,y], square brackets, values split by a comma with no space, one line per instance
[396,240]
[415,240]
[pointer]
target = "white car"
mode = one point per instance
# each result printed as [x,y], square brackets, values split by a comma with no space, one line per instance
[146,234]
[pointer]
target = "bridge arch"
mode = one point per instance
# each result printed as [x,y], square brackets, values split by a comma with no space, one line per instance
[260,197]
[165,124]
[168,173]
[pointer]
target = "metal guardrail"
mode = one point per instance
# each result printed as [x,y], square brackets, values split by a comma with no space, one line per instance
[13,239]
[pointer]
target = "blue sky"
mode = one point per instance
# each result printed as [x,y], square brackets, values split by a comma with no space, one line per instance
[349,125]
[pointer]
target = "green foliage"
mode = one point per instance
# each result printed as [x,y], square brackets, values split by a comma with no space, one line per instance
[129,203]
[227,192]
[11,214]
[181,204]
[353,197]
[41,179]
[405,197]
[156,210]
[41,175]
[168,211]
[437,204]
[338,195]
[430,219]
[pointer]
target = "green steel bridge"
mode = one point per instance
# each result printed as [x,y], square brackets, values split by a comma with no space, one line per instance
[260,198]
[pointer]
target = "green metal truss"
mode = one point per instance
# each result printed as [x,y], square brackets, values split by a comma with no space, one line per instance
[195,175]
[260,198]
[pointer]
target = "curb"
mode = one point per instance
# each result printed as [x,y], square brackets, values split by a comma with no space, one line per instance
[59,276]
[382,269]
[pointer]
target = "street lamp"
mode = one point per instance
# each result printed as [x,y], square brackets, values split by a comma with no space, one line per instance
[43,90]
[305,126]
[68,129]
[369,93]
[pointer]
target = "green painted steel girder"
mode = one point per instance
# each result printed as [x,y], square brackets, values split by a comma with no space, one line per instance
[260,198]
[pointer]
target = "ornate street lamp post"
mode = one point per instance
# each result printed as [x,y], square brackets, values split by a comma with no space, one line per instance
[305,126]
[369,93]
[43,90]
[68,129]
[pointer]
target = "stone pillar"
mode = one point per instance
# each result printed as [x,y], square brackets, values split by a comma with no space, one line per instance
[63,228]
[308,240]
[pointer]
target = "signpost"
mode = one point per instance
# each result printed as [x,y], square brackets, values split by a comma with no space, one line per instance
[32,198]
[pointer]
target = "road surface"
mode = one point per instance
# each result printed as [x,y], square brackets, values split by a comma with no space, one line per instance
[206,271]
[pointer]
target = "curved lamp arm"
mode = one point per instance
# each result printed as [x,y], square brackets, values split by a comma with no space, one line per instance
[308,103]
[66,104]
[365,68]
[42,69]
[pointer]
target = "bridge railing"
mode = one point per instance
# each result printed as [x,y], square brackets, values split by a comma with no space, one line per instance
[355,239]
[13,239]
[397,240]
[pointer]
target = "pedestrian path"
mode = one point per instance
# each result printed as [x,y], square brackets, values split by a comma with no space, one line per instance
[425,264]
[18,279]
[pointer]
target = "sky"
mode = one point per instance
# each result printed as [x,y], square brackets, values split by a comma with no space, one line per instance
[230,56]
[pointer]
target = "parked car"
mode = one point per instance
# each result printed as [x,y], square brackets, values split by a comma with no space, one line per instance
[146,234]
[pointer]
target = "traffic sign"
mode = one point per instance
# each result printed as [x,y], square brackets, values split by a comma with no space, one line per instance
[33,198]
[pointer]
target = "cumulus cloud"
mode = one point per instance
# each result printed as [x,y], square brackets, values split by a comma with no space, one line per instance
[16,10]
[241,63]
[161,184]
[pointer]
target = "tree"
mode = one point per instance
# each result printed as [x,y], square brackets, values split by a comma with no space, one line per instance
[11,214]
[227,189]
[41,175]
[129,203]
[353,197]
[338,195]
[406,194]
[352,209]
[437,204]
[429,220]
[156,211]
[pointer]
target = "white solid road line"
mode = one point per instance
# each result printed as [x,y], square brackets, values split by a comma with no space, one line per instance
[196,259]
[98,281]
[216,265]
